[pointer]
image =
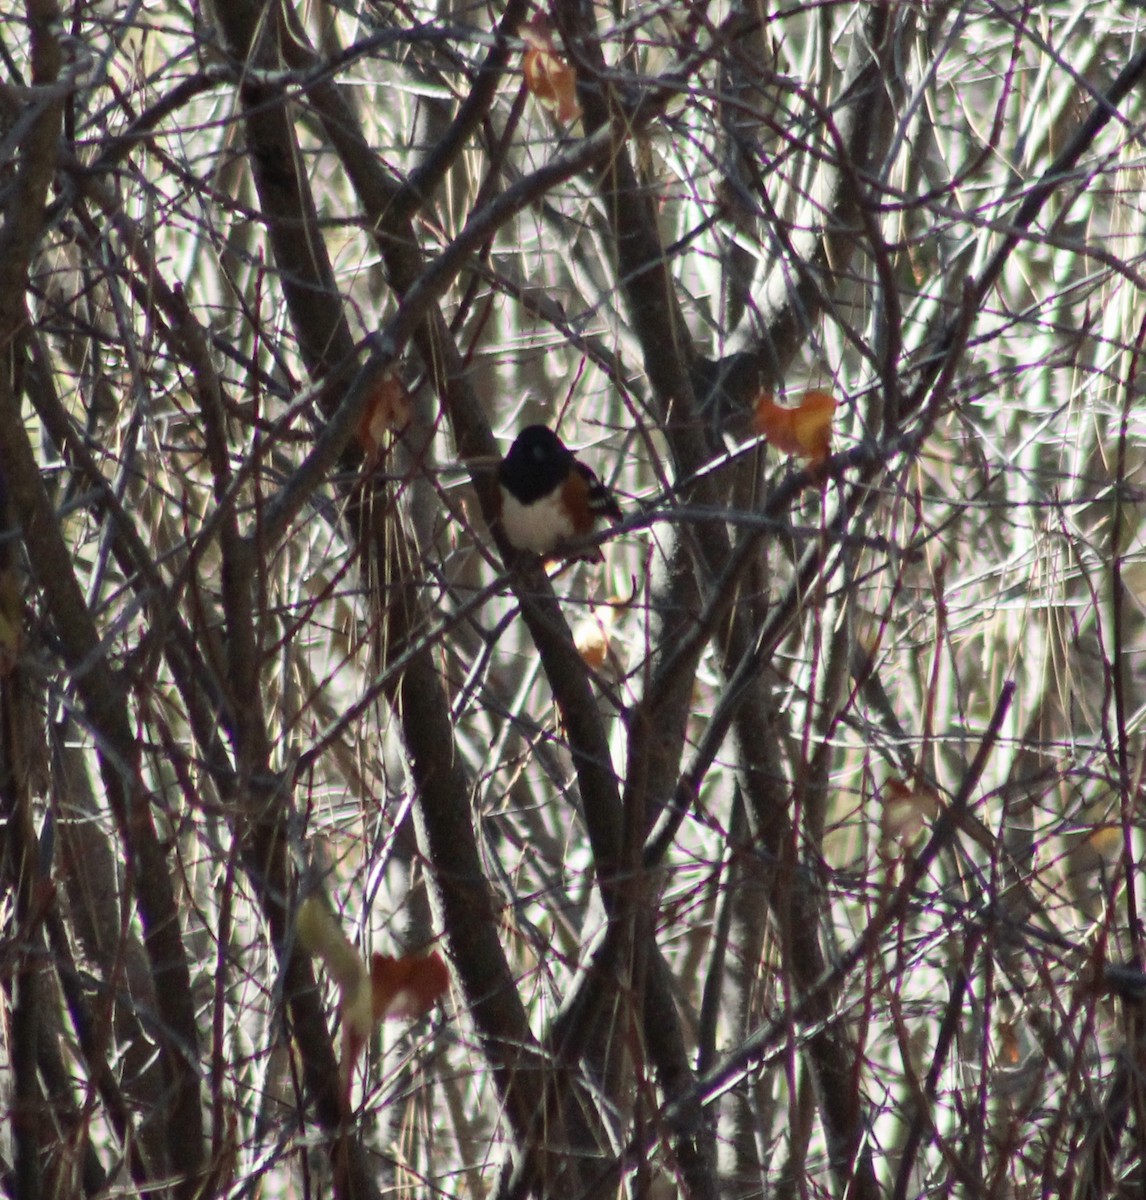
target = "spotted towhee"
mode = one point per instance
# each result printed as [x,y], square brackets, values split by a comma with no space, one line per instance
[549,498]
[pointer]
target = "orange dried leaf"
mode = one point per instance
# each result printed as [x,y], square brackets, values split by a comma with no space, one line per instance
[805,430]
[387,412]
[905,809]
[812,425]
[548,76]
[1008,1043]
[594,640]
[408,986]
[553,83]
[775,423]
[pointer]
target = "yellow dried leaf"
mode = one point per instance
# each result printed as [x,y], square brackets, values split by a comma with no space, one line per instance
[320,933]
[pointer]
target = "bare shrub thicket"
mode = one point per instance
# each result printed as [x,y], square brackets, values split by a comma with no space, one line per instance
[793,850]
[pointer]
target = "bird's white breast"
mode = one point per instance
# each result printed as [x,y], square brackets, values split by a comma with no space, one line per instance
[538,527]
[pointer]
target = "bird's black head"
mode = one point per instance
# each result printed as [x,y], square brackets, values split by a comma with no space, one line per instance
[537,462]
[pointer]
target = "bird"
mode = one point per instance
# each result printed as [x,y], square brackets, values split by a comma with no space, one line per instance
[550,499]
